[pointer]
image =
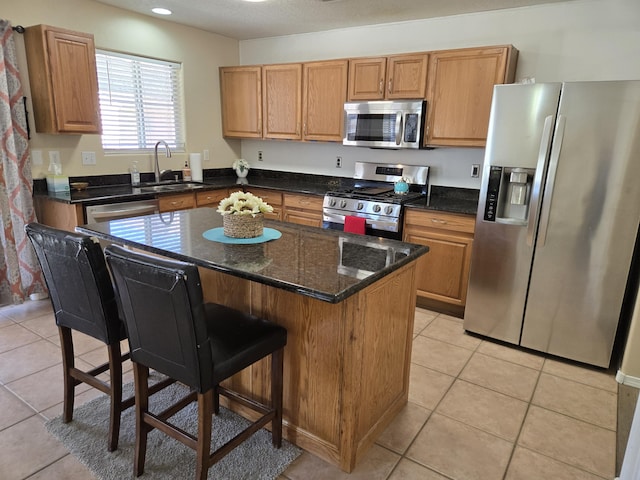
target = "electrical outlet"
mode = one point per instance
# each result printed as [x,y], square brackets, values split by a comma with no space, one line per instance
[475,170]
[36,157]
[88,158]
[259,155]
[206,155]
[54,156]
[338,162]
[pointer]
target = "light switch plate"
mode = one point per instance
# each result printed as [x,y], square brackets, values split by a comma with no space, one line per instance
[88,158]
[54,156]
[36,157]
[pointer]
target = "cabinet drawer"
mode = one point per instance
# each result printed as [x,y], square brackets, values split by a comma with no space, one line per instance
[307,202]
[211,197]
[272,197]
[176,202]
[446,221]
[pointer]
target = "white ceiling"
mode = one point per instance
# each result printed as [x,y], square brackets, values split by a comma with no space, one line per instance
[245,20]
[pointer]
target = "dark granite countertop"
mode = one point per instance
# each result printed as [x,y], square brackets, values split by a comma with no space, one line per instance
[115,188]
[450,199]
[324,264]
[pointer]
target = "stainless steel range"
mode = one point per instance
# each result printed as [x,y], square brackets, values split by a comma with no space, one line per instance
[373,198]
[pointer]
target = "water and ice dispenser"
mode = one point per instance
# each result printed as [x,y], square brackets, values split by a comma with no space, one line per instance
[508,194]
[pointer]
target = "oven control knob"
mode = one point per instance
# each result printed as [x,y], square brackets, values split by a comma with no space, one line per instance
[376,208]
[332,202]
[360,206]
[388,210]
[343,204]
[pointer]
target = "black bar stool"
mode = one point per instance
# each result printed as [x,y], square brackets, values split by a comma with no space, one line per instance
[172,331]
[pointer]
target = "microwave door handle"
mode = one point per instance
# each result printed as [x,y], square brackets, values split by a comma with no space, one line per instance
[398,128]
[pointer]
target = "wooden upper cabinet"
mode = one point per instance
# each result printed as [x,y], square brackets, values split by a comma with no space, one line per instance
[324,94]
[241,98]
[282,101]
[393,77]
[459,93]
[63,80]
[367,78]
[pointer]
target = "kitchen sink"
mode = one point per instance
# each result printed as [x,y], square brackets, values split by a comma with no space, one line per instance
[168,187]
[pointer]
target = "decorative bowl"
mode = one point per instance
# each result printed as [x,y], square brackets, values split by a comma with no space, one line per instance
[79,185]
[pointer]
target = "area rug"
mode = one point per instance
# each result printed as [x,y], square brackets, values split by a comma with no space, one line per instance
[86,438]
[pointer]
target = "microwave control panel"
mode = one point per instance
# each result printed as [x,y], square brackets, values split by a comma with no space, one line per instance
[411,128]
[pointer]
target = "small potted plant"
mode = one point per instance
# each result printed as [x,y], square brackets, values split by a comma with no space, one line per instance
[243,215]
[241,166]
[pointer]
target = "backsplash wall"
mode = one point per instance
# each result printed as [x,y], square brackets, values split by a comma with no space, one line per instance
[449,166]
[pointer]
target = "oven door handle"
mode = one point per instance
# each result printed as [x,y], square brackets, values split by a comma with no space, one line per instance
[398,128]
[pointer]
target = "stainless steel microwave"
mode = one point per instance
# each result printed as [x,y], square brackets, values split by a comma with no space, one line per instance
[384,124]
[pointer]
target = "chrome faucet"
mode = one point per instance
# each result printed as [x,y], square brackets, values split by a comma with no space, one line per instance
[167,152]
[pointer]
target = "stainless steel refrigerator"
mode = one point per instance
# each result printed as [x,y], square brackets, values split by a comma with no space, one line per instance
[558,218]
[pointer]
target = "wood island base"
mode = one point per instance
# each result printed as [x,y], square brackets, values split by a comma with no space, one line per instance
[346,365]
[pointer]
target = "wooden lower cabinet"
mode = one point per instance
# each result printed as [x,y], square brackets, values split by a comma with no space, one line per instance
[302,209]
[443,273]
[62,215]
[272,197]
[211,198]
[182,201]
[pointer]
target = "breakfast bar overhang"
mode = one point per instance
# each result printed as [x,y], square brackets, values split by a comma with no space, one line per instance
[346,300]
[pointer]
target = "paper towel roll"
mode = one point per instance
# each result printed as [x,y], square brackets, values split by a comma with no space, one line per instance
[195,160]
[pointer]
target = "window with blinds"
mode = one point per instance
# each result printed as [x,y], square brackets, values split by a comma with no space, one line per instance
[140,102]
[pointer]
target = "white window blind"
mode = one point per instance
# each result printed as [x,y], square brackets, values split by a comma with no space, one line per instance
[140,102]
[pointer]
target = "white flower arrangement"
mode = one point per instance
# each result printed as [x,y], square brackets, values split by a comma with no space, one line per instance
[241,164]
[243,203]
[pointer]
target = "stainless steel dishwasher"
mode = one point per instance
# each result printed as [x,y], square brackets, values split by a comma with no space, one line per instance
[113,211]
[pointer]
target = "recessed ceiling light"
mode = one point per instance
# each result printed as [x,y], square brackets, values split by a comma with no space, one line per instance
[161,11]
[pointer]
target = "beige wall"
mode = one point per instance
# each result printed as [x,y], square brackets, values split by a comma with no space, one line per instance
[200,52]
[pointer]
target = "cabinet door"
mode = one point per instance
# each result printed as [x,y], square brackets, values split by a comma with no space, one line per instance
[459,93]
[367,78]
[64,216]
[282,101]
[63,79]
[303,217]
[407,76]
[324,94]
[241,101]
[443,273]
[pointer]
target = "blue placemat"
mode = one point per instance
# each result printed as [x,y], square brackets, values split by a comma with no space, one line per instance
[217,235]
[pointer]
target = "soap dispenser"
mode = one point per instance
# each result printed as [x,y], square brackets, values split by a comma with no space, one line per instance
[135,174]
[186,172]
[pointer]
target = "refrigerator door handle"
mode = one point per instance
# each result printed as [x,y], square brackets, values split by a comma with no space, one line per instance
[543,153]
[551,179]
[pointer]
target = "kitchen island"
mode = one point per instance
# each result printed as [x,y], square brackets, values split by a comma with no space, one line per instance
[347,302]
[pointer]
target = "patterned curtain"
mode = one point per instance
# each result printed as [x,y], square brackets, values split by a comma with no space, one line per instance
[20,274]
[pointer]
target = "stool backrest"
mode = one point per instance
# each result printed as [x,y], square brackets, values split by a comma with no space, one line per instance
[162,305]
[78,280]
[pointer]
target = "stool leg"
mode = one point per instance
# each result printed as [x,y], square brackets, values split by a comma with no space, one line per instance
[205,413]
[276,396]
[115,381]
[68,362]
[141,380]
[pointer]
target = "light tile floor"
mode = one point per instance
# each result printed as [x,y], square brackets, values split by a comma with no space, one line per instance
[477,410]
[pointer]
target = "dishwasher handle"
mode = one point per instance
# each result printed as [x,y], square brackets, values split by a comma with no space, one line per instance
[124,212]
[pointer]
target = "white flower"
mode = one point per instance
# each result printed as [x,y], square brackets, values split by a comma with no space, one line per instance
[242,203]
[240,164]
